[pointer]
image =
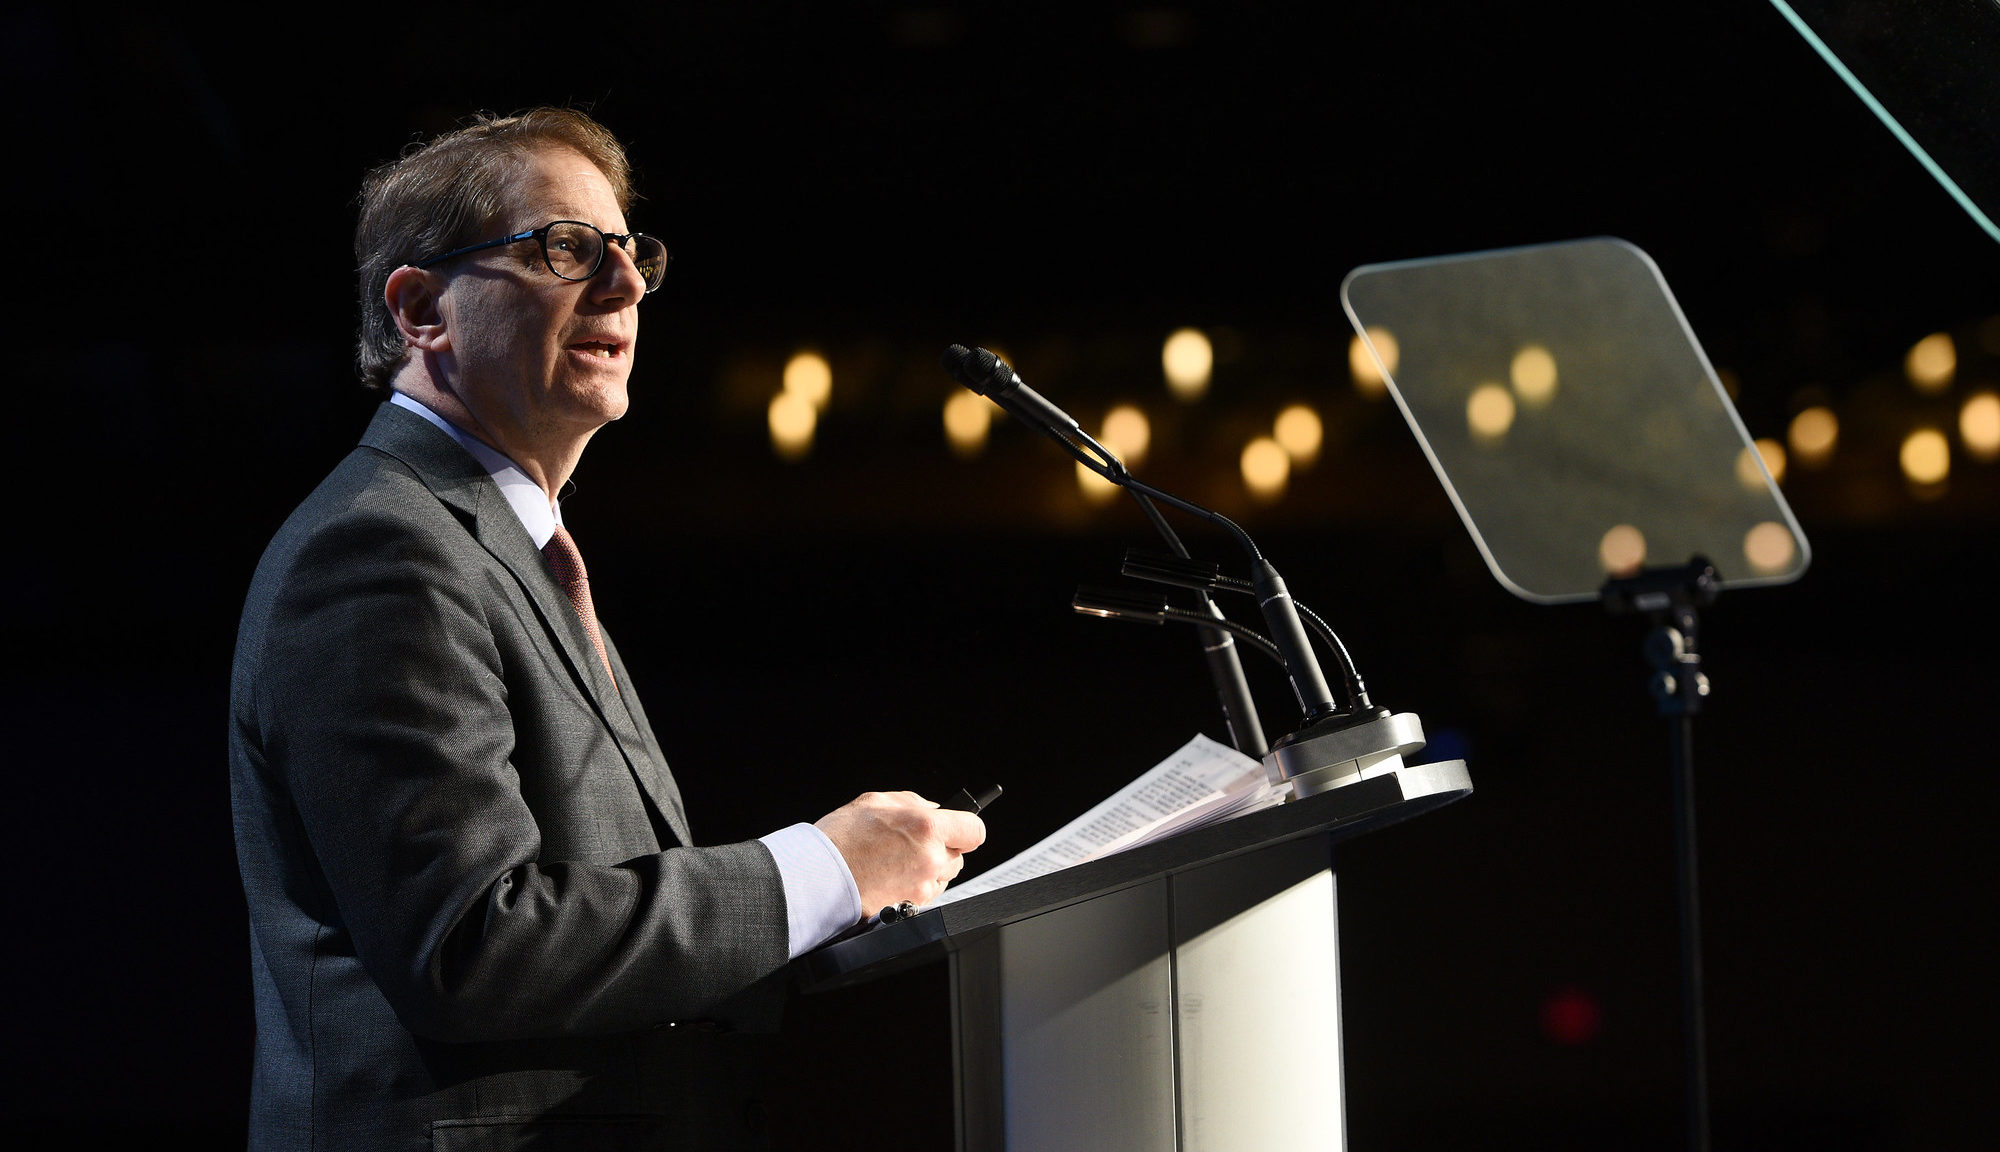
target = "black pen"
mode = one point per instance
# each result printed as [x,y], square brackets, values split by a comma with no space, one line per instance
[965,801]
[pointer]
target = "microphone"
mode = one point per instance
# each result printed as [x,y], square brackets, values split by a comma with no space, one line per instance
[1335,745]
[991,377]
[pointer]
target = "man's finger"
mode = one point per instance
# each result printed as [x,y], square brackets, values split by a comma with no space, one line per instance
[960,831]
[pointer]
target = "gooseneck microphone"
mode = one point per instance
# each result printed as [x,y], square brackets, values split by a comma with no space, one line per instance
[991,377]
[987,374]
[1334,746]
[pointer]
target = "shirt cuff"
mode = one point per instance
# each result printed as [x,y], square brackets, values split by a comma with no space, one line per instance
[821,898]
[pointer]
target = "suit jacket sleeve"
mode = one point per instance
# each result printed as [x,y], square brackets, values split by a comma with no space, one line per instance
[472,826]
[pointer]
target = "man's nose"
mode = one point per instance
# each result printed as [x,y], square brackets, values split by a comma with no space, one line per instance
[617,280]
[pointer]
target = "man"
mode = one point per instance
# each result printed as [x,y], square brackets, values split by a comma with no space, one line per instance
[477,917]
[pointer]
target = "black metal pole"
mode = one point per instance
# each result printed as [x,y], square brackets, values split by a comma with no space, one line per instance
[1694,1029]
[1673,598]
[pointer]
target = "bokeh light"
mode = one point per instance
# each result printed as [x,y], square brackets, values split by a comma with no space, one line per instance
[1979,425]
[968,420]
[1925,456]
[1188,359]
[1367,373]
[1489,412]
[1571,1017]
[1621,551]
[1267,468]
[1931,363]
[1299,432]
[1769,548]
[1773,455]
[1127,433]
[1814,433]
[792,419]
[1095,489]
[810,378]
[1533,374]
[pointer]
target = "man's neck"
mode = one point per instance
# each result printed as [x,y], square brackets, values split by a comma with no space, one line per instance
[547,461]
[531,505]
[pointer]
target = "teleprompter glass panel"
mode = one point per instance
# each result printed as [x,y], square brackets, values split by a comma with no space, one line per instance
[1572,417]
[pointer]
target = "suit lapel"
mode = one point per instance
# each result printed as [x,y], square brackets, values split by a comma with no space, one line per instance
[666,792]
[500,531]
[457,480]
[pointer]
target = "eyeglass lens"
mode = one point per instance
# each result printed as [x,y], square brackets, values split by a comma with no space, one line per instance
[576,250]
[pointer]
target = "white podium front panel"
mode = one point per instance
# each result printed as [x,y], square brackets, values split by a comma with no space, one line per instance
[1092,982]
[1198,1011]
[1258,986]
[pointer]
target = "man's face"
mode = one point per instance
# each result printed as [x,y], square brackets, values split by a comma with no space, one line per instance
[531,355]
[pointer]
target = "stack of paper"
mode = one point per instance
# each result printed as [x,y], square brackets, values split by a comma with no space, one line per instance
[1203,783]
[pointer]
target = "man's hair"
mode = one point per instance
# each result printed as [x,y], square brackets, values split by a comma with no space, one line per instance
[446,194]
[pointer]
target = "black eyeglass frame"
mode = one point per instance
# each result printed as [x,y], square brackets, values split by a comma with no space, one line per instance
[541,237]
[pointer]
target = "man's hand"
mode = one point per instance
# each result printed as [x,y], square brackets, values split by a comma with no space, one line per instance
[901,846]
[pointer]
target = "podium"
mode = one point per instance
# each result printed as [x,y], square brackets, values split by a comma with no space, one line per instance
[1179,995]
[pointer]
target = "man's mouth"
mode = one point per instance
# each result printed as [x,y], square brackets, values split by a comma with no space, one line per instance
[596,348]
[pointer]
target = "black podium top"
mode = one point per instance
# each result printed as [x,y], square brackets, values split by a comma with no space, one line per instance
[1343,813]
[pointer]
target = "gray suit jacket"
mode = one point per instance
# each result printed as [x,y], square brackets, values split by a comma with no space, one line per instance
[477,919]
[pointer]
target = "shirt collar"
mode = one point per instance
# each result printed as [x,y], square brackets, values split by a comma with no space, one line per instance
[536,512]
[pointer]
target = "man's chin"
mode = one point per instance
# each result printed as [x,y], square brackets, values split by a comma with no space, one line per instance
[616,405]
[596,402]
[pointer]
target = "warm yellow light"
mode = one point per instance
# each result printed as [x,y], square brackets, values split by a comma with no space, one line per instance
[1747,472]
[1489,412]
[1926,456]
[1096,489]
[1622,550]
[1127,433]
[1368,379]
[1188,359]
[792,418]
[968,417]
[1979,426]
[1534,375]
[810,378]
[1814,433]
[1932,362]
[1769,548]
[1299,433]
[1266,468]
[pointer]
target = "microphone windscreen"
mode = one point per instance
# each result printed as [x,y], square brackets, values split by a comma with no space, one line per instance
[954,361]
[972,367]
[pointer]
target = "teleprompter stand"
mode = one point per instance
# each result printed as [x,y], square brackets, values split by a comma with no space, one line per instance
[1180,995]
[1611,443]
[1673,598]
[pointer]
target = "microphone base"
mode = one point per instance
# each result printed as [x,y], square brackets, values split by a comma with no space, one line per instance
[1314,762]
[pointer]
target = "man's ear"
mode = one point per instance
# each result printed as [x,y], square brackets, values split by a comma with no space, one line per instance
[412,295]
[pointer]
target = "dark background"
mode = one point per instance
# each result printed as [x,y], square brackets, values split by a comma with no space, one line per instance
[1068,183]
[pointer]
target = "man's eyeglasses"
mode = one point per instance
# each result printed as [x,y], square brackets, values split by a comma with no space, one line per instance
[574,250]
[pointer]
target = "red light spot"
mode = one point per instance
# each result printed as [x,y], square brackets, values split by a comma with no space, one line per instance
[1570,1016]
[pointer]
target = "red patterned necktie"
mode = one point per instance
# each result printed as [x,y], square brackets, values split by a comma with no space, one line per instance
[566,564]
